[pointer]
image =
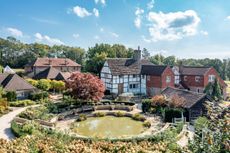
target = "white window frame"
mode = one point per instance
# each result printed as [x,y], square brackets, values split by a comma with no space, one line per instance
[197,78]
[148,77]
[185,78]
[168,79]
[211,78]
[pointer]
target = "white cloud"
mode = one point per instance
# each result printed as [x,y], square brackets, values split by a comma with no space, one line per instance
[228,18]
[138,13]
[81,12]
[150,5]
[48,40]
[205,33]
[96,37]
[15,32]
[114,34]
[96,12]
[103,2]
[76,35]
[145,39]
[173,25]
[102,29]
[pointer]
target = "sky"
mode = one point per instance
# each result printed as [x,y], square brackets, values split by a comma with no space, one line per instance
[184,28]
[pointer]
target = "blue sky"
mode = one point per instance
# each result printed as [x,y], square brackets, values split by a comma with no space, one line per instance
[185,28]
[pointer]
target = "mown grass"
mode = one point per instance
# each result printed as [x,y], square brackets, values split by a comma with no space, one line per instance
[228,89]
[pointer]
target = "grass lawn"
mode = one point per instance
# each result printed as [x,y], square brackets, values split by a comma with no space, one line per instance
[18,70]
[228,89]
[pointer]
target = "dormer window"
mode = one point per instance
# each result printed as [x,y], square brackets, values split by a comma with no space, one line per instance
[197,78]
[185,78]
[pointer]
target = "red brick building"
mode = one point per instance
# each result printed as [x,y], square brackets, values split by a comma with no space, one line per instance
[158,77]
[197,78]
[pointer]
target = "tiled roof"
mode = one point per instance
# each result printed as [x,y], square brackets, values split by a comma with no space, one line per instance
[52,74]
[191,98]
[155,70]
[124,66]
[49,73]
[53,62]
[13,82]
[63,76]
[191,70]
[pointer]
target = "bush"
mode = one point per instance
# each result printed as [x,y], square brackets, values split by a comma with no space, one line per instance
[82,117]
[147,124]
[38,96]
[21,103]
[119,114]
[44,84]
[201,123]
[22,130]
[40,112]
[138,117]
[146,105]
[171,113]
[99,114]
[11,95]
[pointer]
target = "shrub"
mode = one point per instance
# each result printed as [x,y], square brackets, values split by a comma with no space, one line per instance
[32,82]
[82,117]
[138,117]
[147,124]
[158,100]
[21,103]
[201,123]
[171,113]
[44,84]
[119,114]
[39,96]
[100,114]
[146,105]
[11,95]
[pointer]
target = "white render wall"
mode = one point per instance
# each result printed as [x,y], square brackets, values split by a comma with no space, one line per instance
[111,81]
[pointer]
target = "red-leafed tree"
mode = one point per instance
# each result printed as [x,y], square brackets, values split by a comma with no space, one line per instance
[85,86]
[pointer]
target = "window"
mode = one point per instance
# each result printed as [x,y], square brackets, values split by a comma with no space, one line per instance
[168,79]
[134,76]
[120,76]
[148,78]
[197,78]
[185,78]
[143,77]
[133,86]
[211,78]
[106,75]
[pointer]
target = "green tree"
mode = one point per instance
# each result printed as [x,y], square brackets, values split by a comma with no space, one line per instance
[145,53]
[170,60]
[97,55]
[44,84]
[214,90]
[217,94]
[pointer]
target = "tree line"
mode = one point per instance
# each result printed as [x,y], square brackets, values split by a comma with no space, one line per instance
[17,54]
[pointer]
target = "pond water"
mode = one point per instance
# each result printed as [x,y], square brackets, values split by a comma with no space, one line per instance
[108,127]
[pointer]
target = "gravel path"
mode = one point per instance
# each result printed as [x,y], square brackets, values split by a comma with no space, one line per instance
[5,122]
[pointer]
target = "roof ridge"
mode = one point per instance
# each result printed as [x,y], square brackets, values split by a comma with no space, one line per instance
[193,92]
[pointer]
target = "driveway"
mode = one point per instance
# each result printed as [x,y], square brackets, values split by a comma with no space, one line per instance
[5,123]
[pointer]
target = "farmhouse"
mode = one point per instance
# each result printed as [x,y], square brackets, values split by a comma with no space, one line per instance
[193,101]
[197,78]
[52,74]
[13,82]
[61,64]
[124,74]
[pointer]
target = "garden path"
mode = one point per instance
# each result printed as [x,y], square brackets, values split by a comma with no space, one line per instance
[5,122]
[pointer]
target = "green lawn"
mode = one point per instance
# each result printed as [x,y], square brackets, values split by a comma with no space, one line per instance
[228,89]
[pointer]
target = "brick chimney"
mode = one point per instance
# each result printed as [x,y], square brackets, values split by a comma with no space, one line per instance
[137,54]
